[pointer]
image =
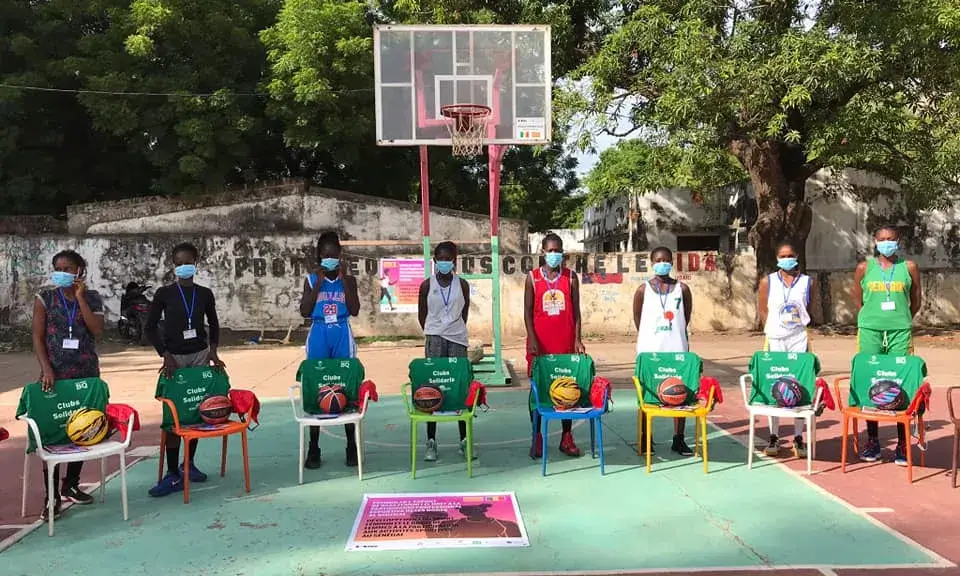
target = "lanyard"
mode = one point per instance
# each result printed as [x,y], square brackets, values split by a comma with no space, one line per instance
[551,286]
[787,289]
[663,296]
[883,277]
[71,314]
[445,297]
[193,301]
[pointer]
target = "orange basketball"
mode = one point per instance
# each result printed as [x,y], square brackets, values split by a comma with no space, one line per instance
[215,409]
[672,392]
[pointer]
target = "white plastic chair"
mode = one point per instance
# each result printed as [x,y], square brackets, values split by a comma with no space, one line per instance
[96,452]
[310,421]
[806,412]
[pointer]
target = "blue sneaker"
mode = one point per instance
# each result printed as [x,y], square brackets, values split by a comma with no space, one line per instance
[168,485]
[871,452]
[900,457]
[195,474]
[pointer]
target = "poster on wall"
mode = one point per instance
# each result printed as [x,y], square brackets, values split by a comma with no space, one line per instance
[400,280]
[460,520]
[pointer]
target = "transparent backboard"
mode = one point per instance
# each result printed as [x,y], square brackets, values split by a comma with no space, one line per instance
[421,68]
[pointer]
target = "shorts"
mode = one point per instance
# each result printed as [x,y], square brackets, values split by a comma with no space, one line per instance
[331,341]
[798,342]
[440,347]
[891,342]
[201,358]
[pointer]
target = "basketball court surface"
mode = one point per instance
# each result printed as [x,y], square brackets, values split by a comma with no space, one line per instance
[675,519]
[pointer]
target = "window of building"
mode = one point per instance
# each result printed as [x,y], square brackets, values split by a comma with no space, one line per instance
[699,243]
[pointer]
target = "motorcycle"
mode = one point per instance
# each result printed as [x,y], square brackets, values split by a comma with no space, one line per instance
[134,309]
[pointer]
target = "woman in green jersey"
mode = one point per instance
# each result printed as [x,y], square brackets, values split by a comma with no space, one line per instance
[886,292]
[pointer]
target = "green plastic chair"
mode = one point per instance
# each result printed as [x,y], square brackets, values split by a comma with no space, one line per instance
[456,397]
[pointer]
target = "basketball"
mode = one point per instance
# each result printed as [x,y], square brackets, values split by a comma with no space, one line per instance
[87,427]
[427,399]
[787,392]
[215,409]
[331,399]
[888,395]
[564,393]
[672,392]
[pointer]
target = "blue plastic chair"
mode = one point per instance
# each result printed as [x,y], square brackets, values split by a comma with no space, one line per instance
[547,412]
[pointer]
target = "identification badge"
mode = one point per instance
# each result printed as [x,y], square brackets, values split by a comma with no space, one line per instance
[553,303]
[330,318]
[71,344]
[189,334]
[888,305]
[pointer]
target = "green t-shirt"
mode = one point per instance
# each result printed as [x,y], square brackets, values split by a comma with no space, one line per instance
[654,367]
[187,389]
[548,368]
[868,369]
[767,367]
[451,375]
[312,374]
[52,410]
[876,313]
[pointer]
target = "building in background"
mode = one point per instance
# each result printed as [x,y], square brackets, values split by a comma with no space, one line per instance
[572,239]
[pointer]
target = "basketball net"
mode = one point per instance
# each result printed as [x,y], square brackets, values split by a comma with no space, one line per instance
[468,123]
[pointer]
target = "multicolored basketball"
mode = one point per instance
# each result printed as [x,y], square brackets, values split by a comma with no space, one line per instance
[427,399]
[786,392]
[87,427]
[564,393]
[331,399]
[215,409]
[888,395]
[672,392]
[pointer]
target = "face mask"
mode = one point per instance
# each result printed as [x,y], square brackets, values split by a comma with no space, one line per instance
[887,247]
[786,263]
[330,264]
[444,267]
[662,268]
[553,259]
[185,271]
[63,279]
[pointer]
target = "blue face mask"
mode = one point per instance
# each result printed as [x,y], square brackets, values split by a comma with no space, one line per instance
[887,247]
[787,263]
[553,259]
[662,268]
[185,271]
[444,266]
[330,264]
[63,279]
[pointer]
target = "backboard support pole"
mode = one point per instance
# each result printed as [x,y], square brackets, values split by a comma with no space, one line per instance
[425,208]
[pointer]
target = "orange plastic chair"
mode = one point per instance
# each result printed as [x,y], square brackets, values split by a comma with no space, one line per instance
[199,431]
[855,413]
[956,432]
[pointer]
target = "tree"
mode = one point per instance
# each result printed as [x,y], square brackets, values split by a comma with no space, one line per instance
[786,87]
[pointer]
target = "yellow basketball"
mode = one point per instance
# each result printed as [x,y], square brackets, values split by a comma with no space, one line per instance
[87,427]
[564,392]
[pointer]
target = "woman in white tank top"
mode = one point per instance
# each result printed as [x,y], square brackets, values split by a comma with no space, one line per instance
[661,310]
[782,301]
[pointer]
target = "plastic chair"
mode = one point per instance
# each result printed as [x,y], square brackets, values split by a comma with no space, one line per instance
[651,411]
[310,421]
[548,413]
[99,451]
[956,432]
[806,412]
[202,431]
[855,413]
[416,417]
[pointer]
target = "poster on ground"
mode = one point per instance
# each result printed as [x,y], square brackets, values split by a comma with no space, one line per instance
[400,280]
[456,520]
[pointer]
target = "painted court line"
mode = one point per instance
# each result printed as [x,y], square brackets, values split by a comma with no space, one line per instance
[869,510]
[826,570]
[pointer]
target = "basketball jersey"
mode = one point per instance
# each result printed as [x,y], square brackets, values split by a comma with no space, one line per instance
[868,369]
[51,410]
[548,368]
[451,375]
[787,312]
[331,304]
[553,321]
[445,311]
[654,367]
[312,374]
[767,367]
[663,321]
[886,297]
[187,390]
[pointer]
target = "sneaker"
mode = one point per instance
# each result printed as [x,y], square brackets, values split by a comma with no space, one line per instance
[46,511]
[773,447]
[799,447]
[431,455]
[871,452]
[313,459]
[900,456]
[463,450]
[568,446]
[170,483]
[536,448]
[680,446]
[351,456]
[195,474]
[76,495]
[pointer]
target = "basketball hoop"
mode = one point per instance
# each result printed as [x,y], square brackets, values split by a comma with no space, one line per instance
[467,128]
